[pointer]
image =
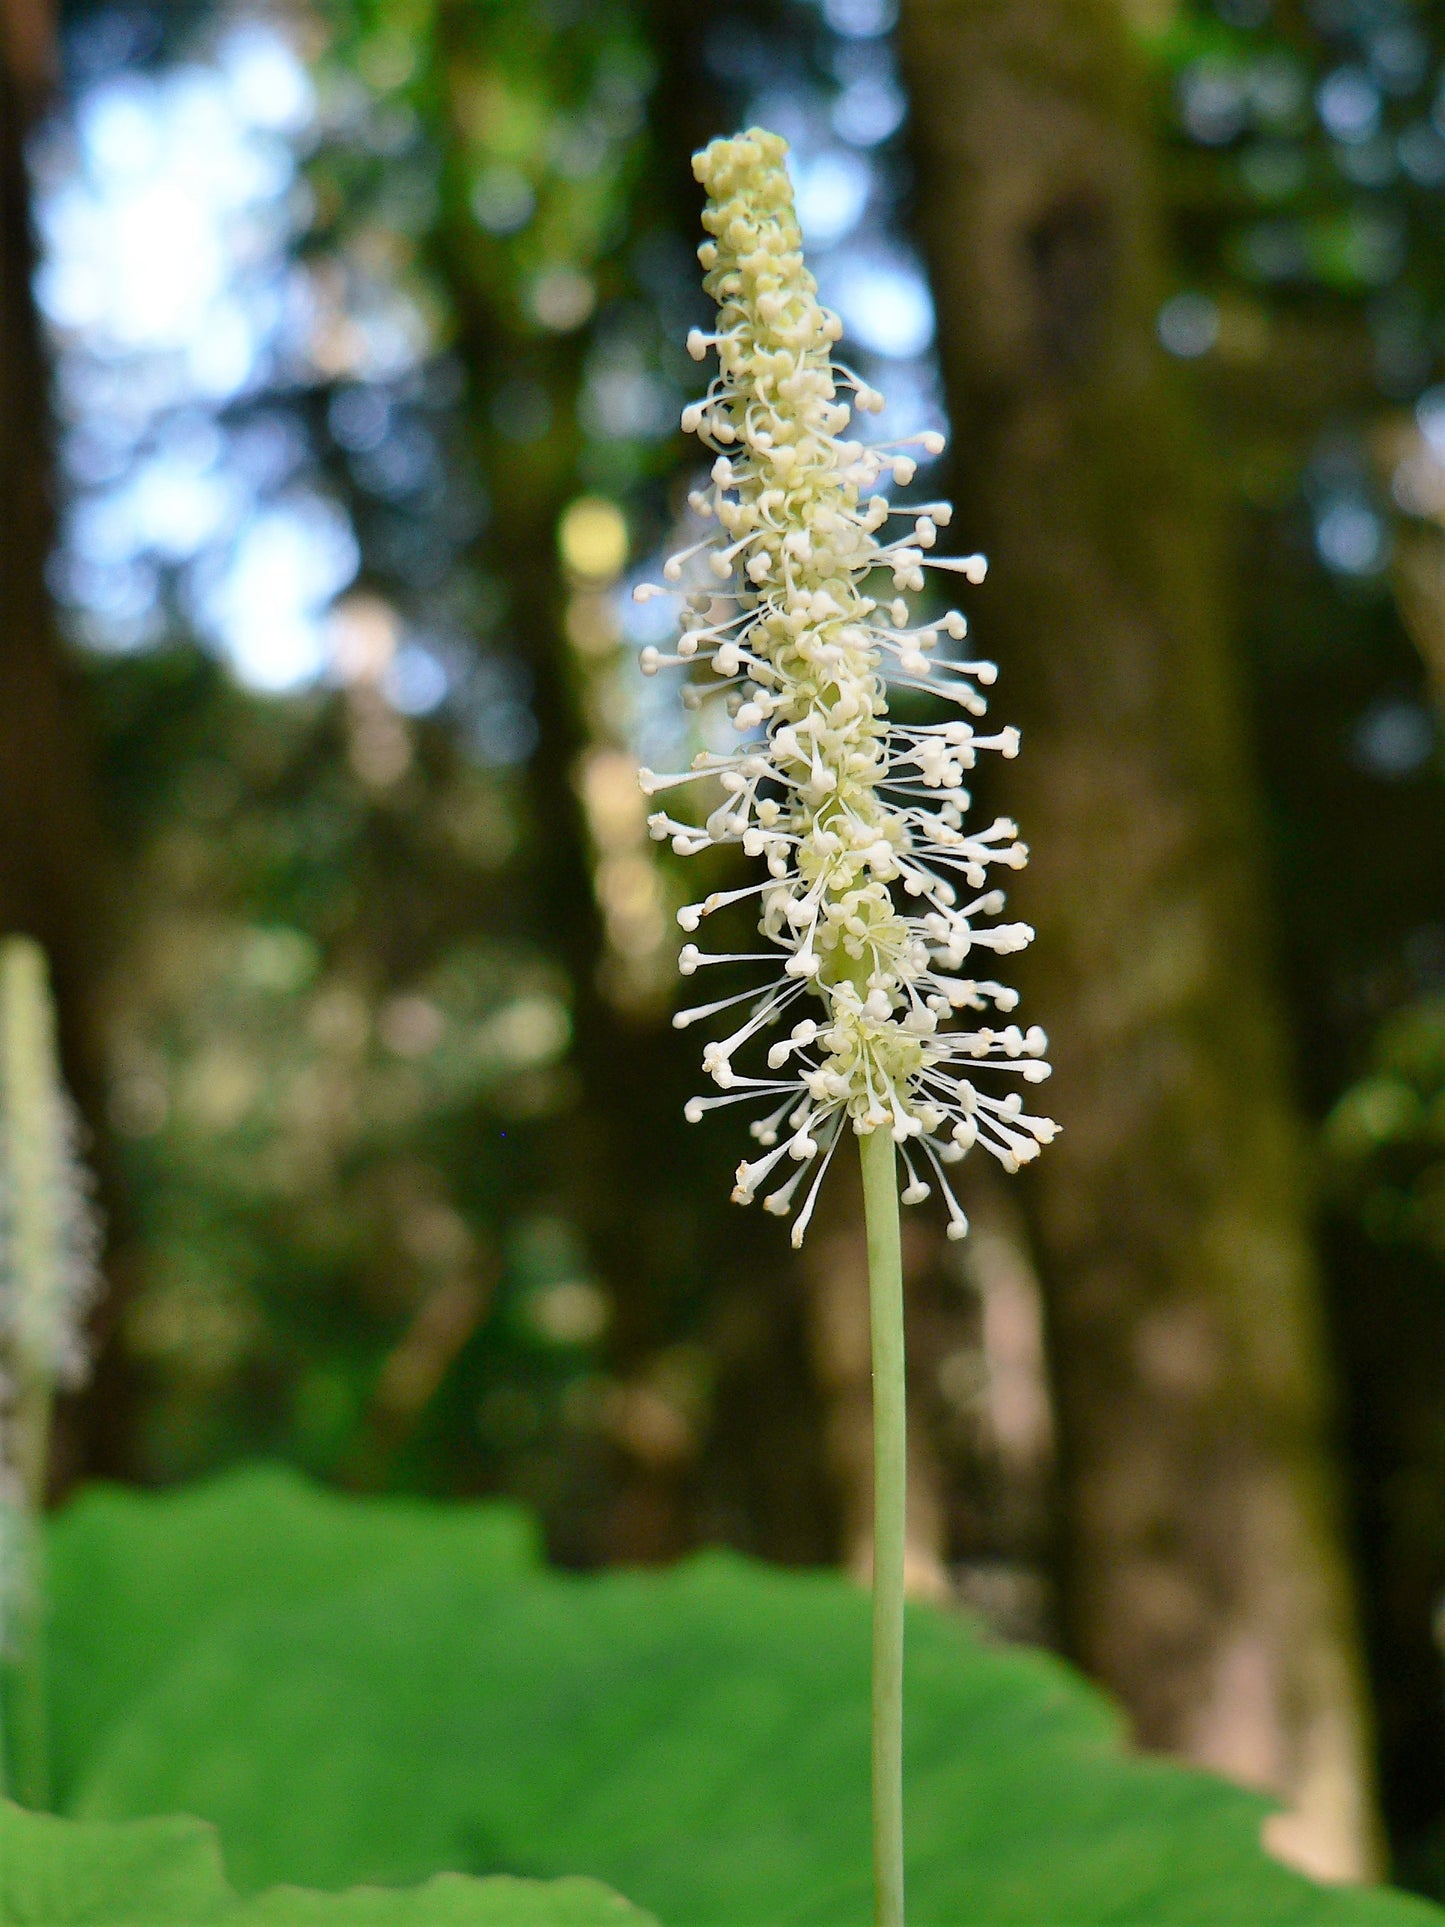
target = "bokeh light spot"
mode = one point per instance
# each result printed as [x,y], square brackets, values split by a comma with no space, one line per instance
[592,537]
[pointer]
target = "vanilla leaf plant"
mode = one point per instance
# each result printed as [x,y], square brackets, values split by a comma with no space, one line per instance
[876,896]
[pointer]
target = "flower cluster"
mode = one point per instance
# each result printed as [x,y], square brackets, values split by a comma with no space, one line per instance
[876,893]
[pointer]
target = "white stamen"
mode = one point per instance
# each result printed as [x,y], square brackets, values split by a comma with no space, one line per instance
[875,890]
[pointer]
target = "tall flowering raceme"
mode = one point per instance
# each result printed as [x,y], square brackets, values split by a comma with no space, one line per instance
[876,895]
[49,1239]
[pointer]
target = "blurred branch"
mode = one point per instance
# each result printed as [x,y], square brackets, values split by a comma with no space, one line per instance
[413,1371]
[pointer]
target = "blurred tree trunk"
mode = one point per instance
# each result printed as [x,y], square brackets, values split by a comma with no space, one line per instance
[699,1292]
[1204,1580]
[50,842]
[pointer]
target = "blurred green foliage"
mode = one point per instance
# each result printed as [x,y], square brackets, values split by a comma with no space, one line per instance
[697,1736]
[345,1003]
[1311,157]
[325,1079]
[1386,1135]
[167,1873]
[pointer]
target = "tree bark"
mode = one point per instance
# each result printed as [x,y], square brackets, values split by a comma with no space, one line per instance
[51,848]
[1204,1576]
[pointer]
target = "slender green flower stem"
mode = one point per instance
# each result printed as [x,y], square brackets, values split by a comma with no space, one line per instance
[890,1450]
[29,1723]
[7,1535]
[33,1165]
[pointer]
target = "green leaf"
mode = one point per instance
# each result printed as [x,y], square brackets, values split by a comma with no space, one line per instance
[55,1871]
[449,1900]
[167,1873]
[697,1738]
[135,1576]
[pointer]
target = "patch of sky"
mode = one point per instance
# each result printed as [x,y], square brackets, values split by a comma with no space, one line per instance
[1349,104]
[1430,418]
[798,112]
[914,399]
[883,297]
[1351,536]
[1213,101]
[832,190]
[264,600]
[503,199]
[663,732]
[1188,325]
[358,417]
[169,204]
[160,222]
[860,19]
[658,618]
[839,116]
[269,85]
[417,680]
[400,464]
[870,106]
[1393,739]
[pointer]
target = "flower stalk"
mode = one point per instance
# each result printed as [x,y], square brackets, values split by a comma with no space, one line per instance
[48,1276]
[876,895]
[890,1486]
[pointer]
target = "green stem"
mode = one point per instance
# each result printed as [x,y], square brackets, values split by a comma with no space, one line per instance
[32,1158]
[890,1459]
[9,1555]
[29,1724]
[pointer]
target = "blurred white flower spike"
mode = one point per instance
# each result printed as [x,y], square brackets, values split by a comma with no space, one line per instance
[876,895]
[49,1236]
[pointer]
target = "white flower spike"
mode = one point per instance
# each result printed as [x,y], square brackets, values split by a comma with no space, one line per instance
[876,895]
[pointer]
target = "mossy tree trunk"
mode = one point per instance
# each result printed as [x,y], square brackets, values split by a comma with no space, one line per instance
[1204,1580]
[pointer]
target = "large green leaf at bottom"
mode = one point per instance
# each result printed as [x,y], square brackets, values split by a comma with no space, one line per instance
[698,1739]
[135,1576]
[167,1873]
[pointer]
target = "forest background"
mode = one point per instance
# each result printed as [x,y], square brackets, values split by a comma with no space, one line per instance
[341,356]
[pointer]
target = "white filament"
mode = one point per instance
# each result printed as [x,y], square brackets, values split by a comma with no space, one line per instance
[876,893]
